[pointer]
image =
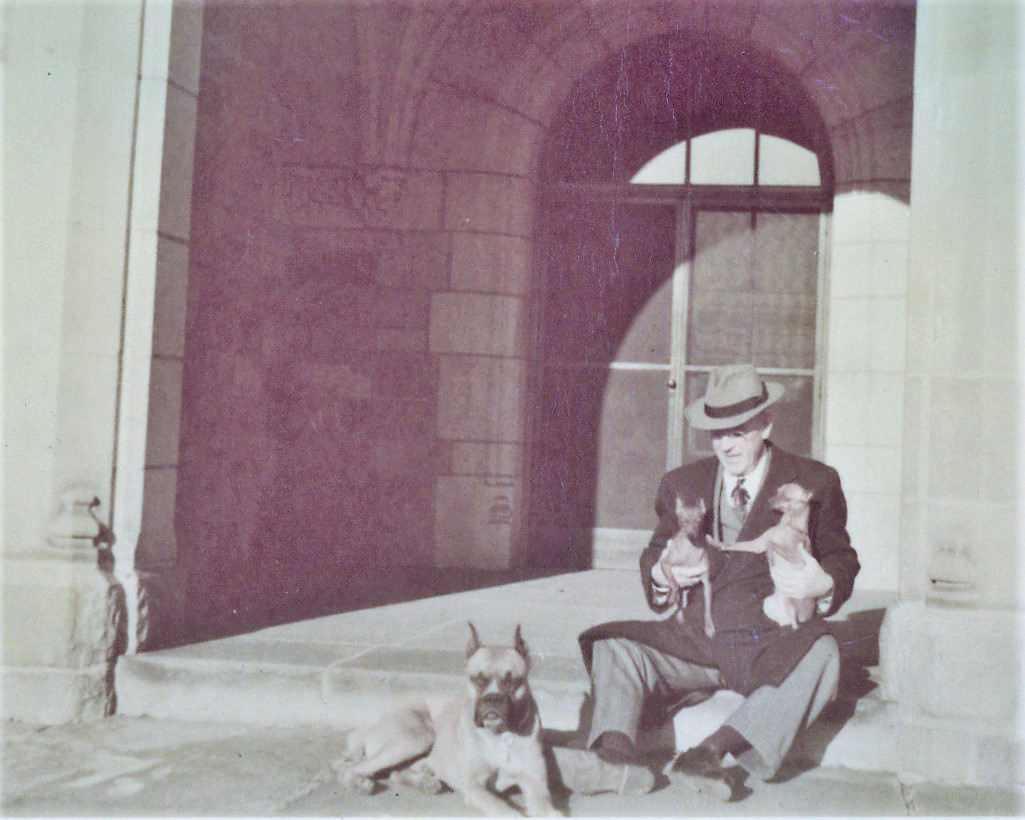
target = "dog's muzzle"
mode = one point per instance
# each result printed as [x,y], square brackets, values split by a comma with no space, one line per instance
[492,712]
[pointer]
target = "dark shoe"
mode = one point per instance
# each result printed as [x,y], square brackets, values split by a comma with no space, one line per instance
[700,769]
[615,747]
[584,772]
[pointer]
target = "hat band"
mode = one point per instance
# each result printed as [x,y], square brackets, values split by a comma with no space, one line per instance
[738,408]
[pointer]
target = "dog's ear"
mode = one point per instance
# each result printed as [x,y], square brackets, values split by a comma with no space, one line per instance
[474,643]
[520,644]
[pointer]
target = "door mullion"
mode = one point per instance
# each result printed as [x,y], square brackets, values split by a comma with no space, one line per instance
[678,335]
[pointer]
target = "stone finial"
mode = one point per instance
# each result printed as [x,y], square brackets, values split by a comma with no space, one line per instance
[952,576]
[77,525]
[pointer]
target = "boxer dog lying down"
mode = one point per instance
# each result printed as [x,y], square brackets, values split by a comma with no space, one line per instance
[479,742]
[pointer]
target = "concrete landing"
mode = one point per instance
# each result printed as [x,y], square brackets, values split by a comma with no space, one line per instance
[343,670]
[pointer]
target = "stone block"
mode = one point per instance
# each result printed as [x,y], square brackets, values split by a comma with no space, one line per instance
[91,313]
[54,695]
[186,44]
[957,405]
[176,179]
[478,324]
[481,398]
[936,753]
[487,263]
[399,339]
[867,334]
[104,146]
[165,406]
[868,268]
[864,408]
[863,216]
[476,521]
[997,762]
[934,673]
[912,447]
[490,137]
[483,458]
[867,469]
[266,695]
[414,259]
[158,546]
[170,298]
[980,532]
[874,526]
[490,203]
[38,618]
[379,307]
[56,609]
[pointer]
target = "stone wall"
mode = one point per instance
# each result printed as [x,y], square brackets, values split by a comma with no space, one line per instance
[70,88]
[357,366]
[951,649]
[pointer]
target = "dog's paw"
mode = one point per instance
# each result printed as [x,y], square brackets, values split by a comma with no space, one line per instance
[419,777]
[354,781]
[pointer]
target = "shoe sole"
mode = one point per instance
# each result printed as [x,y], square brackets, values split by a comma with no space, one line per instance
[584,772]
[636,780]
[712,787]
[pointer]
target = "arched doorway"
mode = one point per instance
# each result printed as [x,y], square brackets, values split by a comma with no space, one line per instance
[682,224]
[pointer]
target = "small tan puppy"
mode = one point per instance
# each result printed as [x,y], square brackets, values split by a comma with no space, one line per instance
[478,742]
[683,551]
[788,540]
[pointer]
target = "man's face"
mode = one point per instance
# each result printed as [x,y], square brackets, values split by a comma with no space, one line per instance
[739,448]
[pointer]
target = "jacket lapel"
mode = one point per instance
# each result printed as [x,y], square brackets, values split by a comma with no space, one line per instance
[782,469]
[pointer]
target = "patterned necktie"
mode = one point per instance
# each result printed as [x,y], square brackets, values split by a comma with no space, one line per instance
[740,497]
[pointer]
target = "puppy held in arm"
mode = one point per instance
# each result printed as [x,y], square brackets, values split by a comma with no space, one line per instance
[683,552]
[787,541]
[478,742]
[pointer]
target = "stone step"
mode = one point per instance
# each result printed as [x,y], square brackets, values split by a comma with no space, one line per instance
[344,670]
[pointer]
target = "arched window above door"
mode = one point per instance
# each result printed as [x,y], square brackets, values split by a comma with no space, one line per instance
[734,156]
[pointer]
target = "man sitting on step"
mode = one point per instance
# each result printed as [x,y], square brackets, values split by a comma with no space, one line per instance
[787,674]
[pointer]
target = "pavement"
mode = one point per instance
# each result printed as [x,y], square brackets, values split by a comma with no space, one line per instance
[135,767]
[248,725]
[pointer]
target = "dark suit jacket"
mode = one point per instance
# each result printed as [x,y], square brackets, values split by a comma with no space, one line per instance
[749,649]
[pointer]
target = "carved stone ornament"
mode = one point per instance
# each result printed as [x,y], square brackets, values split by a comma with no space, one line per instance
[76,526]
[357,195]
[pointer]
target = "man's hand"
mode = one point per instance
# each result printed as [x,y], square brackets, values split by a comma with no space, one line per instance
[795,581]
[666,574]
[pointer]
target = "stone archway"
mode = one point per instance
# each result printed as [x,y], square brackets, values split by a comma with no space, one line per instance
[422,208]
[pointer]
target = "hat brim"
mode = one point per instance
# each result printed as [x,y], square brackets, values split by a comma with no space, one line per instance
[699,419]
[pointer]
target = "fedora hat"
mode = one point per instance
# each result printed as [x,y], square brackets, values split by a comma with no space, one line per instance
[735,394]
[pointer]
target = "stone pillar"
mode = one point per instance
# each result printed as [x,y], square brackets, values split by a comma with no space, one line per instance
[154,348]
[949,648]
[866,321]
[480,332]
[72,80]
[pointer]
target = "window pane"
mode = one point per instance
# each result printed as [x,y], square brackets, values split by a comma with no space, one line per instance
[631,447]
[785,279]
[754,291]
[667,168]
[781,162]
[719,327]
[723,158]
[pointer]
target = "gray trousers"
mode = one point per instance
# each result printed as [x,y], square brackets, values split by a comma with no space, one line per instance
[624,673]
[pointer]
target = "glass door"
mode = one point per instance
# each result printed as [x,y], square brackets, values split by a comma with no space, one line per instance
[642,297]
